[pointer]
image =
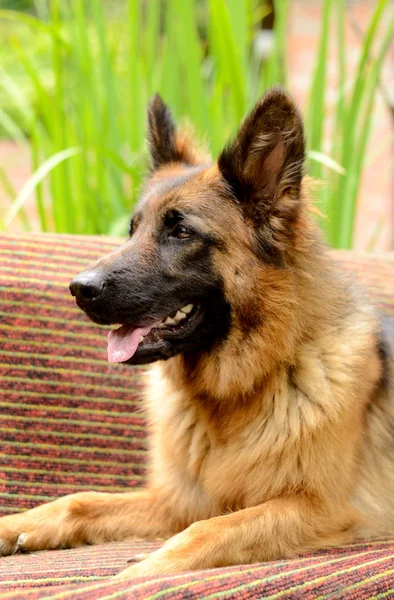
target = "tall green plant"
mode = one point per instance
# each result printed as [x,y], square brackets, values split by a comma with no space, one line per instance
[85,118]
[87,127]
[353,115]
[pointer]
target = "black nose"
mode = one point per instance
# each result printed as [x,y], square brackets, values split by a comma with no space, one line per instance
[87,285]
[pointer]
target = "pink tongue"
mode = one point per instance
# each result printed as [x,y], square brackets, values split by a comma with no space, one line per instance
[123,342]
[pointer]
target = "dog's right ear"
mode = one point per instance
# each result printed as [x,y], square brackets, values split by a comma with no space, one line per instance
[166,144]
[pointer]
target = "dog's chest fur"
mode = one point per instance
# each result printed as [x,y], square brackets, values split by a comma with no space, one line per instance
[255,451]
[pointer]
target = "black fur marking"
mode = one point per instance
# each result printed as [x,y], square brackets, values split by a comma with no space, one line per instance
[141,290]
[134,224]
[268,251]
[172,218]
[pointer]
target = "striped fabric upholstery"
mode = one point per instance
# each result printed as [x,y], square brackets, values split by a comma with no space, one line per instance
[70,422]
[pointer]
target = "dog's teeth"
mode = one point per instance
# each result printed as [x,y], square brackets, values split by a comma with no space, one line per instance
[169,321]
[179,316]
[141,339]
[186,309]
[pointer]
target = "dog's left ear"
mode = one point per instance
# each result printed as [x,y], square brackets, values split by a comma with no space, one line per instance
[166,144]
[264,164]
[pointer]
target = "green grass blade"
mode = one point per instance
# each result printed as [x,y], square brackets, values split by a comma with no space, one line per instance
[237,10]
[333,198]
[152,43]
[227,57]
[10,126]
[352,182]
[36,24]
[136,94]
[350,128]
[327,161]
[275,70]
[316,108]
[189,56]
[34,180]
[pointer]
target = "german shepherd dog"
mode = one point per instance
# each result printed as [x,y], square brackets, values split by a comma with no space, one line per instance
[271,419]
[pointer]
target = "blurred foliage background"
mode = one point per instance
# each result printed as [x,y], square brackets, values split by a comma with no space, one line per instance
[76,77]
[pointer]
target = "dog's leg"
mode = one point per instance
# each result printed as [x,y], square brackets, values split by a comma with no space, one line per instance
[87,518]
[277,529]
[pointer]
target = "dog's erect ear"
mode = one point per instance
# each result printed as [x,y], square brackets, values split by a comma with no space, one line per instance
[264,164]
[166,144]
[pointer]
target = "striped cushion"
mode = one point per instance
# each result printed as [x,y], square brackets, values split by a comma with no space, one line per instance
[71,422]
[357,571]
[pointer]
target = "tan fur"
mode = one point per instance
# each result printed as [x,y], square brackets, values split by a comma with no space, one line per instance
[275,442]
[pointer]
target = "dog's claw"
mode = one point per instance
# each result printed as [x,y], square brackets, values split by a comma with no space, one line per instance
[138,557]
[22,538]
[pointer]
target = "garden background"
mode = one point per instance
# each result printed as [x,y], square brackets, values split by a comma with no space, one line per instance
[76,76]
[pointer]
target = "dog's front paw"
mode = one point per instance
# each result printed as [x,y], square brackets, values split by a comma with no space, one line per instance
[185,551]
[160,562]
[52,525]
[26,533]
[13,537]
[10,537]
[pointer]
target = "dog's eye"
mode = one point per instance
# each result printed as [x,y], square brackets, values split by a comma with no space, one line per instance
[181,232]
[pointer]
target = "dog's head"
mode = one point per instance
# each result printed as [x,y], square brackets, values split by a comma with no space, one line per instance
[201,238]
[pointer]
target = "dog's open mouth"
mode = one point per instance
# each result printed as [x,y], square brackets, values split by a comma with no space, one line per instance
[127,341]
